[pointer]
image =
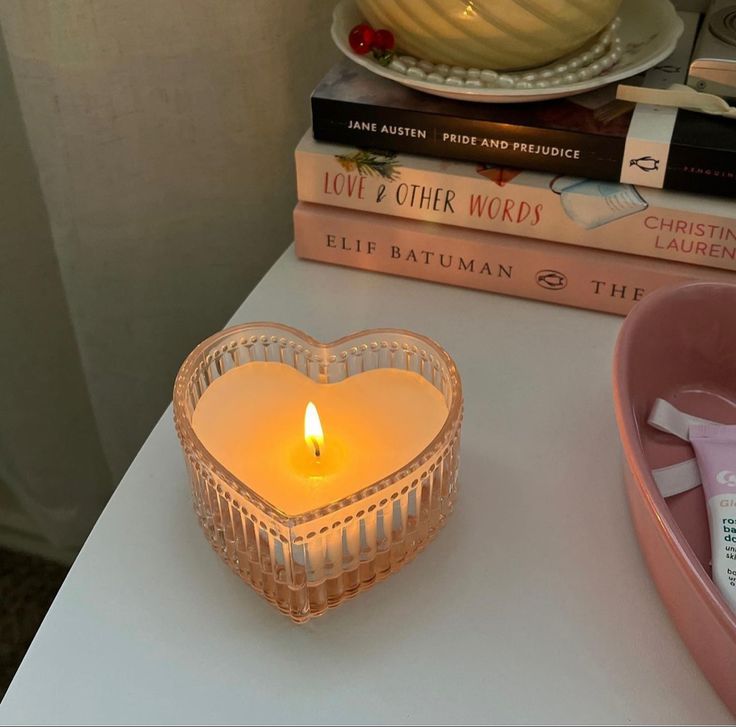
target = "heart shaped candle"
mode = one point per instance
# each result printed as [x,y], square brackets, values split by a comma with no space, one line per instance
[318,469]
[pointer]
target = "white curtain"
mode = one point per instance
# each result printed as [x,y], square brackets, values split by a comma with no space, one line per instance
[146,183]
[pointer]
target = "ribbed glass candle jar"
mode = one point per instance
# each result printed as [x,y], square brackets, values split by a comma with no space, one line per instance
[313,561]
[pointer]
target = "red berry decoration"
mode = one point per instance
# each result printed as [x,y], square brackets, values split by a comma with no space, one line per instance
[383,40]
[361,39]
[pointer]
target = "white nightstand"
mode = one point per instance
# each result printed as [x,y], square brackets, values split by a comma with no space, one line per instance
[559,623]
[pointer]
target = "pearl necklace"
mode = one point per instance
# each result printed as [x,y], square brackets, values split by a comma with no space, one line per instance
[582,66]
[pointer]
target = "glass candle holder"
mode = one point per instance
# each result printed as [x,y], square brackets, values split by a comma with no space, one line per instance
[307,563]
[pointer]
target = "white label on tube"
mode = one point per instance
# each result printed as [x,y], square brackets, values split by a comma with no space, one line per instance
[722,519]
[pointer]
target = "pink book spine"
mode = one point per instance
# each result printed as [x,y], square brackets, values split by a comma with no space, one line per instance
[667,225]
[563,274]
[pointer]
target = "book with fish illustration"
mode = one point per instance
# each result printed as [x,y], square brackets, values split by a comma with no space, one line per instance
[592,135]
[547,271]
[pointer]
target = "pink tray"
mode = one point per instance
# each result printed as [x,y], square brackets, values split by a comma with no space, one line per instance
[679,343]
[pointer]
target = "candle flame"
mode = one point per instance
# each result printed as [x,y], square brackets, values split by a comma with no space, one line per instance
[313,435]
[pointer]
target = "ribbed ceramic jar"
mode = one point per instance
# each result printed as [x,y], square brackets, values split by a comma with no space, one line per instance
[498,34]
[308,563]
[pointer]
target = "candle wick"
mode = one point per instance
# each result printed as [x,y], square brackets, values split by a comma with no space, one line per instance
[315,444]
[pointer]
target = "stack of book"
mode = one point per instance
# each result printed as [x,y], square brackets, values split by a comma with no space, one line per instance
[585,201]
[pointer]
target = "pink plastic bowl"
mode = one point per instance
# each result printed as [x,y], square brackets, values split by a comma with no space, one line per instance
[679,343]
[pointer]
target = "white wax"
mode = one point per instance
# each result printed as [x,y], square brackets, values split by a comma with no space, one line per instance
[251,420]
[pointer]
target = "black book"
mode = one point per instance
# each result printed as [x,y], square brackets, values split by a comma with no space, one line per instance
[665,148]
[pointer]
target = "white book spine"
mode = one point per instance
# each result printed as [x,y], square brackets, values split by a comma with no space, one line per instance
[602,215]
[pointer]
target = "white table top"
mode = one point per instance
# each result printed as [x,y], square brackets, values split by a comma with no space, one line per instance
[559,621]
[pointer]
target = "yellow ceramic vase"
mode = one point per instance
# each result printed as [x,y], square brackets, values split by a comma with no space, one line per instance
[497,34]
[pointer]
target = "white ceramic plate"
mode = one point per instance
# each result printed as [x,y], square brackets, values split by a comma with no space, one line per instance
[649,30]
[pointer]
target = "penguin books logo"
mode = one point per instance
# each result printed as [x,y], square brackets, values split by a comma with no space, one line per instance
[551,280]
[646,164]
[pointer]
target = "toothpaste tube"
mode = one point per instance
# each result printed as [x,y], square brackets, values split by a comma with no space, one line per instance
[715,450]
